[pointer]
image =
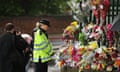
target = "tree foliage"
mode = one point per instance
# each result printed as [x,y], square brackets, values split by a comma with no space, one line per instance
[32,7]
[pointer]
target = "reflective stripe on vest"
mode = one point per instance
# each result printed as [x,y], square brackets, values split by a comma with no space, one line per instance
[42,47]
[40,44]
[42,59]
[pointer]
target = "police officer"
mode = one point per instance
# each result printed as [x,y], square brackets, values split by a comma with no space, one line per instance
[42,49]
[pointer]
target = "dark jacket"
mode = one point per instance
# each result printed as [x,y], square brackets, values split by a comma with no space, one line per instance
[20,44]
[8,52]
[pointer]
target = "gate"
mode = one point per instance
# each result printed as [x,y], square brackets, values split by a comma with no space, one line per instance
[114,10]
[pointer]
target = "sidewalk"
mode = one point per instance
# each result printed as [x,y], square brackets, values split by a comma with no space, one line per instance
[50,69]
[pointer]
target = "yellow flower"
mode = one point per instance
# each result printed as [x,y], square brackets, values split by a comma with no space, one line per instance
[74,23]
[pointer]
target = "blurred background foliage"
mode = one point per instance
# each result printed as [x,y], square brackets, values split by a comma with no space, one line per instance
[33,7]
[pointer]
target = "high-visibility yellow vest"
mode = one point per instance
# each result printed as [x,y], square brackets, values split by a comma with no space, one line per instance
[42,47]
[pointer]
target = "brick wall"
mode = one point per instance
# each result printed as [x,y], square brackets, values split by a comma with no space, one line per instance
[26,24]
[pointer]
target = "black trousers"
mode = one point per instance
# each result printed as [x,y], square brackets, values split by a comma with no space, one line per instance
[41,67]
[18,66]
